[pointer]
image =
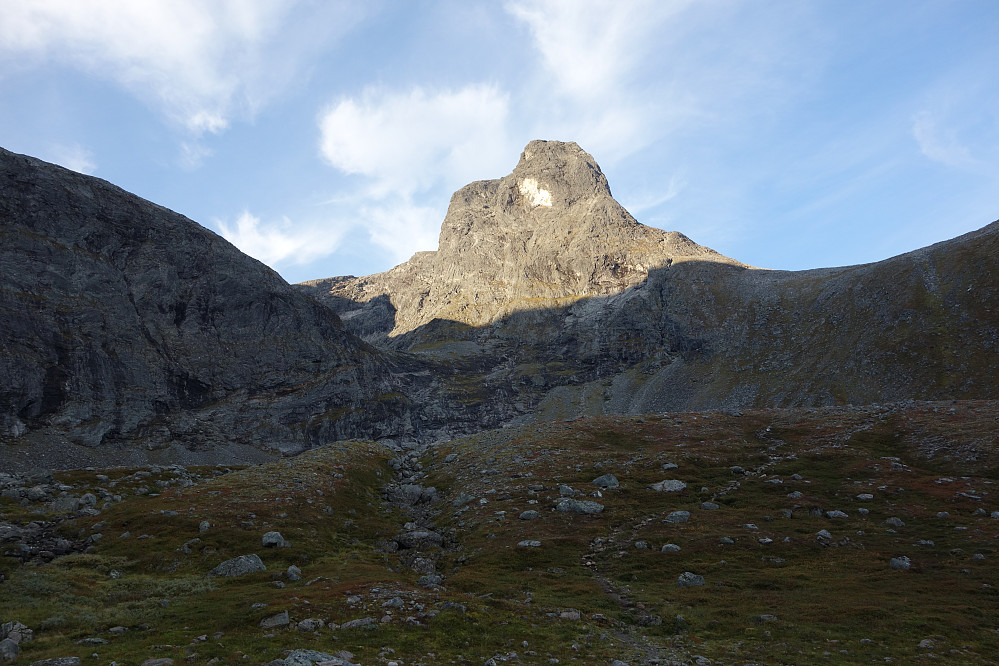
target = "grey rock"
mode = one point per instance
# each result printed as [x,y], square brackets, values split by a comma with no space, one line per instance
[568,505]
[293,573]
[9,650]
[688,579]
[394,602]
[281,619]
[895,522]
[529,543]
[864,497]
[204,526]
[727,541]
[310,624]
[641,545]
[419,539]
[671,548]
[797,494]
[677,517]
[274,540]
[836,514]
[709,506]
[359,623]
[607,481]
[530,514]
[311,657]
[900,563]
[239,566]
[430,580]
[669,486]
[59,661]
[16,632]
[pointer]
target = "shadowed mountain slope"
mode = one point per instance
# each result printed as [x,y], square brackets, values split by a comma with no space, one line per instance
[550,300]
[123,322]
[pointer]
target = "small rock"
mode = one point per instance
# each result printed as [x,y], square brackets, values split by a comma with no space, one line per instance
[579,506]
[204,526]
[530,514]
[766,617]
[274,540]
[279,620]
[823,534]
[430,581]
[677,517]
[641,545]
[728,541]
[310,624]
[688,579]
[670,465]
[8,650]
[863,497]
[450,458]
[670,548]
[895,522]
[836,514]
[607,481]
[900,563]
[797,494]
[159,661]
[927,644]
[528,543]
[668,486]
[709,506]
[239,566]
[358,624]
[293,573]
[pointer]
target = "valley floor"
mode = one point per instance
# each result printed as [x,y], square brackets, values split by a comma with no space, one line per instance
[838,535]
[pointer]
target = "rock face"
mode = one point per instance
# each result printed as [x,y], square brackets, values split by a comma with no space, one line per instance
[547,235]
[121,321]
[546,299]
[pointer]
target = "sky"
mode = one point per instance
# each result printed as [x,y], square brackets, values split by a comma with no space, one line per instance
[325,137]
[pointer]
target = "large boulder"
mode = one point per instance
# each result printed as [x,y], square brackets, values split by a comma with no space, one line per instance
[239,566]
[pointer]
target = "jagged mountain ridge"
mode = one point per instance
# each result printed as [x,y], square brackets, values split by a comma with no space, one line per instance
[574,307]
[125,324]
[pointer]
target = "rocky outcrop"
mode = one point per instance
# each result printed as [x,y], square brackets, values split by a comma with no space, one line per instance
[546,236]
[547,299]
[123,323]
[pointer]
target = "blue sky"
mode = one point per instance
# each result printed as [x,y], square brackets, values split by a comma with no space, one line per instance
[325,138]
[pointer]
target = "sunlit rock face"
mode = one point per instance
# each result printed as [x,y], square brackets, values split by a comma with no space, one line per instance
[546,235]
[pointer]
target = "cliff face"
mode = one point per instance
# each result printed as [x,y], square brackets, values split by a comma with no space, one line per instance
[547,235]
[548,299]
[121,321]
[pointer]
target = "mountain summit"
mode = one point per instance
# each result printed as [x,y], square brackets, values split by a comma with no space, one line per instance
[548,234]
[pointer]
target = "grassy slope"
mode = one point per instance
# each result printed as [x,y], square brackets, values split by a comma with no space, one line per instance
[834,600]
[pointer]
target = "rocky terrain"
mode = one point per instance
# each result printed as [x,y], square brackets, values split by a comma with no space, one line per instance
[806,535]
[548,299]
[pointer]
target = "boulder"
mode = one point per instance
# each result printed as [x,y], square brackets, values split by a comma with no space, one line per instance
[279,620]
[606,481]
[668,486]
[688,579]
[569,505]
[274,540]
[239,566]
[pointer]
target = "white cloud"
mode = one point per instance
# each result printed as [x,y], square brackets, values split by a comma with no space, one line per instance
[939,144]
[281,242]
[591,47]
[193,154]
[73,156]
[407,142]
[402,228]
[201,62]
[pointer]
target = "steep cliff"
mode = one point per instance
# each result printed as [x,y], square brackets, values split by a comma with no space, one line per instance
[123,323]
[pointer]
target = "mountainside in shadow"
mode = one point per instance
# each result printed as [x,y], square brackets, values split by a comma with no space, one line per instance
[549,300]
[123,323]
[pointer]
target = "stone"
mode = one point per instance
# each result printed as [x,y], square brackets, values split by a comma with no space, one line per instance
[568,505]
[671,548]
[204,526]
[9,650]
[158,661]
[530,514]
[419,539]
[606,481]
[274,540]
[641,545]
[766,618]
[310,624]
[688,579]
[927,644]
[293,573]
[529,543]
[797,494]
[359,623]
[823,534]
[836,514]
[429,581]
[895,522]
[281,619]
[669,486]
[302,657]
[864,497]
[394,602]
[677,517]
[727,541]
[239,566]
[709,506]
[900,563]
[16,632]
[59,661]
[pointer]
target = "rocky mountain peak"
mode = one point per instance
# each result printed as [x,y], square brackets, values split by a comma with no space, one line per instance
[547,234]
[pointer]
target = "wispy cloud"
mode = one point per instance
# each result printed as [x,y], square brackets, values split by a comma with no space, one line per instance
[406,142]
[73,156]
[940,144]
[402,227]
[200,62]
[280,242]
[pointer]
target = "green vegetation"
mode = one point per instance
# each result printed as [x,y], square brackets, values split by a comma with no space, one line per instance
[776,590]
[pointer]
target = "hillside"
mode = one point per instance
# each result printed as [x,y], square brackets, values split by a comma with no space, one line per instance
[549,300]
[832,535]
